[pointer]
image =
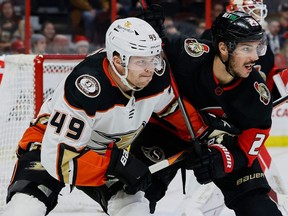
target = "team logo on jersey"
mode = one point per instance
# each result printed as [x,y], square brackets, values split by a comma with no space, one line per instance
[100,140]
[194,48]
[153,153]
[88,85]
[263,91]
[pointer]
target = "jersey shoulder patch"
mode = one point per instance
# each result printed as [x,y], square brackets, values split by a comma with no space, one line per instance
[88,85]
[263,91]
[195,48]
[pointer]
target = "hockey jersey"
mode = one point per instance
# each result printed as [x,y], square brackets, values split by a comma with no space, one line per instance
[245,102]
[87,112]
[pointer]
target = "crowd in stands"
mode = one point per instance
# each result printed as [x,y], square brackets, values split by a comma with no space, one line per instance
[89,20]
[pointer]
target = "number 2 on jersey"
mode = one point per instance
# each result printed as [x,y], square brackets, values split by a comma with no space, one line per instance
[259,139]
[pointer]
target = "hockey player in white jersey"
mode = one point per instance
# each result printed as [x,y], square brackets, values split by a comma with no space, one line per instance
[84,131]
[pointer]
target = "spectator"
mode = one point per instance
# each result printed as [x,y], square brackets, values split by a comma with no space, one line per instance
[217,9]
[283,10]
[48,30]
[281,59]
[60,44]
[275,40]
[81,45]
[21,30]
[201,27]
[123,8]
[38,44]
[169,26]
[83,14]
[8,24]
[17,47]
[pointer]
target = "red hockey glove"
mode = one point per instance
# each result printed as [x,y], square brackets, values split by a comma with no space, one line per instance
[215,162]
[128,169]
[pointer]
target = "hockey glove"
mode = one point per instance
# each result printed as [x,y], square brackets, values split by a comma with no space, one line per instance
[129,170]
[216,126]
[154,15]
[215,162]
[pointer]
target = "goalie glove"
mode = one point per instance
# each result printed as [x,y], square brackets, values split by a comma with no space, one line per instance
[134,174]
[216,162]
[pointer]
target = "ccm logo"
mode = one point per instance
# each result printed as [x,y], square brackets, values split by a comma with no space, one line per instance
[124,157]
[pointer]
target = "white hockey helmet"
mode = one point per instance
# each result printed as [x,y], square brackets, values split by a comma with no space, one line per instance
[255,8]
[132,37]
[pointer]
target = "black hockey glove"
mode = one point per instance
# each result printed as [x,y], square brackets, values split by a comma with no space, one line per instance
[154,15]
[216,126]
[216,161]
[128,169]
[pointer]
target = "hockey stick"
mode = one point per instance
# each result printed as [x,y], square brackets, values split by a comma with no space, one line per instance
[195,142]
[168,162]
[181,155]
[280,101]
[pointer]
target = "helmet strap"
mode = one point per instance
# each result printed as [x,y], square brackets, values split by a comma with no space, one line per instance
[123,78]
[227,65]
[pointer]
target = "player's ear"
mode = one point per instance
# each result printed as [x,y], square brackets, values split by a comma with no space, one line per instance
[116,60]
[223,49]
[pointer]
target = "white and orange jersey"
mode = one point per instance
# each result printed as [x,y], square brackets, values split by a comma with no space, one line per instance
[86,113]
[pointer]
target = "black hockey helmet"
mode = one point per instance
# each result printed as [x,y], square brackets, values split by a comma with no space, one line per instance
[234,27]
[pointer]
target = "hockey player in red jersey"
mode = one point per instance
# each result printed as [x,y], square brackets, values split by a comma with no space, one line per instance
[86,128]
[219,78]
[265,64]
[275,77]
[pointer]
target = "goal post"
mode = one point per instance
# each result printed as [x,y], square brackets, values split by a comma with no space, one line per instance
[27,81]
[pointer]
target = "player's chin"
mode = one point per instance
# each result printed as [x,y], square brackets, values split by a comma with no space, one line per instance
[246,73]
[144,82]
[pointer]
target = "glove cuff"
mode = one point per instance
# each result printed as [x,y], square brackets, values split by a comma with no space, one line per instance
[227,157]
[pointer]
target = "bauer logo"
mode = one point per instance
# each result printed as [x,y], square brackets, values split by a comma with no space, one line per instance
[88,85]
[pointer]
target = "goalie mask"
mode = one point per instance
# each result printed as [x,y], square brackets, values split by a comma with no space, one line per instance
[133,38]
[255,8]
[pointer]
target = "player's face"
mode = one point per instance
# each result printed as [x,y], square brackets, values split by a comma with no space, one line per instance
[141,69]
[243,58]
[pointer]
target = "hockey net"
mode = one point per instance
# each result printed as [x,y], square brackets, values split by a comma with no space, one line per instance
[27,81]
